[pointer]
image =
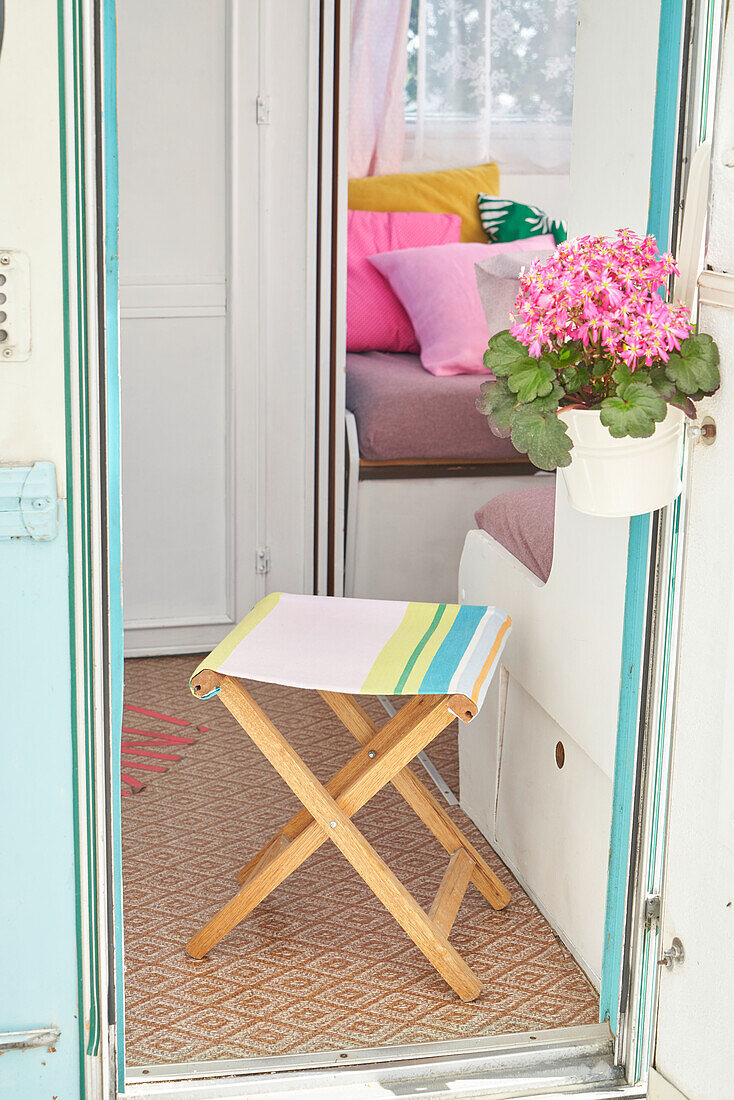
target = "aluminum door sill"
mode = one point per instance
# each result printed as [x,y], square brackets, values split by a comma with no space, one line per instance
[575,1061]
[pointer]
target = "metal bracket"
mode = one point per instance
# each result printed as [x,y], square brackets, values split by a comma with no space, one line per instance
[29,507]
[652,908]
[24,1040]
[705,432]
[262,104]
[716,288]
[262,559]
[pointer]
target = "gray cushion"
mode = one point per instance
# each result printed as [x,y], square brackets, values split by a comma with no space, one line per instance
[523,521]
[498,280]
[404,412]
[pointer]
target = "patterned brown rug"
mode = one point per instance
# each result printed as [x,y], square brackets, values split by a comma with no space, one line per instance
[319,965]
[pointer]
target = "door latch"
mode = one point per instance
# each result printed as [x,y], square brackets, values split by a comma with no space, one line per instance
[29,507]
[674,954]
[652,909]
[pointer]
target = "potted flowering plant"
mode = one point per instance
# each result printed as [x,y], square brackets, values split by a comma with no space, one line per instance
[597,373]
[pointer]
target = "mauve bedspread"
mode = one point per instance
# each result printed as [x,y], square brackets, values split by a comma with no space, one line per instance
[403,412]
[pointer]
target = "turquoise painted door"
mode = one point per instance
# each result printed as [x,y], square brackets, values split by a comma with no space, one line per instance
[59,611]
[40,960]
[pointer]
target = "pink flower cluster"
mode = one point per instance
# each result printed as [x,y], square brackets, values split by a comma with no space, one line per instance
[604,292]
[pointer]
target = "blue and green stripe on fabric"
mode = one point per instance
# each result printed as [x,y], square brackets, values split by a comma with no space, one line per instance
[445,633]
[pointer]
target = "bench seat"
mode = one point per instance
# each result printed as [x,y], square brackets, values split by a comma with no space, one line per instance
[523,522]
[404,413]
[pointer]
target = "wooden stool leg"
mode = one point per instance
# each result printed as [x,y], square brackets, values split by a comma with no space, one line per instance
[337,824]
[270,852]
[366,775]
[450,893]
[420,799]
[411,713]
[262,882]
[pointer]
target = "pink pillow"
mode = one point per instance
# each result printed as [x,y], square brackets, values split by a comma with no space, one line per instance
[376,321]
[438,287]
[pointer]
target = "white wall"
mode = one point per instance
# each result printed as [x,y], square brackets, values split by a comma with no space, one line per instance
[31,427]
[613,108]
[551,193]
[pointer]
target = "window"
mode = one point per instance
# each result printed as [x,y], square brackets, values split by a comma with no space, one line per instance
[490,79]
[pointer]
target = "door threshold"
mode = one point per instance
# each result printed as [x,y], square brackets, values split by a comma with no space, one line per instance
[575,1061]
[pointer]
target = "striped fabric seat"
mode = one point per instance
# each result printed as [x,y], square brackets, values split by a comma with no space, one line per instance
[367,647]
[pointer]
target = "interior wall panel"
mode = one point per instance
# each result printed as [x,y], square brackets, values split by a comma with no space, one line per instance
[174,470]
[172,140]
[176,380]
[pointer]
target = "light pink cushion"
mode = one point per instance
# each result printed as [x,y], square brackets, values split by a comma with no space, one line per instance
[438,287]
[376,321]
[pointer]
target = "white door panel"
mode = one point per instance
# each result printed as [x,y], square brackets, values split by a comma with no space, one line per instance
[178,427]
[174,471]
[697,995]
[696,1008]
[172,140]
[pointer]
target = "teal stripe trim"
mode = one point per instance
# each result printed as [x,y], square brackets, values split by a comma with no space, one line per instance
[419,649]
[444,664]
[624,768]
[659,222]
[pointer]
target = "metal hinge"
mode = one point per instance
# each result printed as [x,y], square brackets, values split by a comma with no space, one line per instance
[262,560]
[262,104]
[652,909]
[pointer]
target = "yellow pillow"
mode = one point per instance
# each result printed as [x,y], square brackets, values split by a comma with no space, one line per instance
[451,191]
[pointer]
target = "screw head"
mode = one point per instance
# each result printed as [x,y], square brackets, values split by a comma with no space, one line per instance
[332,824]
[7,353]
[372,754]
[4,259]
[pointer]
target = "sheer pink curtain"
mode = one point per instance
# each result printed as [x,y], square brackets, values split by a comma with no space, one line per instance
[378,57]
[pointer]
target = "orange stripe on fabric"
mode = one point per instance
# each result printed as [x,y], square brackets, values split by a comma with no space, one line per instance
[490,657]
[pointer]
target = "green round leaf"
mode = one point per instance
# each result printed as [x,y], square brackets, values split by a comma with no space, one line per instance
[504,351]
[636,413]
[531,378]
[696,367]
[661,384]
[497,403]
[538,433]
[575,377]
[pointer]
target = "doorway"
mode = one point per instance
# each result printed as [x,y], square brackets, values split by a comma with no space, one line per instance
[171,701]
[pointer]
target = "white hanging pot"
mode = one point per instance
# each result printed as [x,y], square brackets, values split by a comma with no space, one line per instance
[622,477]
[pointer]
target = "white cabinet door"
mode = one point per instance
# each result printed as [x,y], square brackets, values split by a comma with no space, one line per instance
[184,449]
[696,1009]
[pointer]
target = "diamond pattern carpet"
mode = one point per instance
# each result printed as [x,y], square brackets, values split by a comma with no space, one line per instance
[319,965]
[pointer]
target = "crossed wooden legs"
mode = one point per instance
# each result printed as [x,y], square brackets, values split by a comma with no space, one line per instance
[327,812]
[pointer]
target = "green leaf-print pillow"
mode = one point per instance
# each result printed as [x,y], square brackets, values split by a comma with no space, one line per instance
[505,220]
